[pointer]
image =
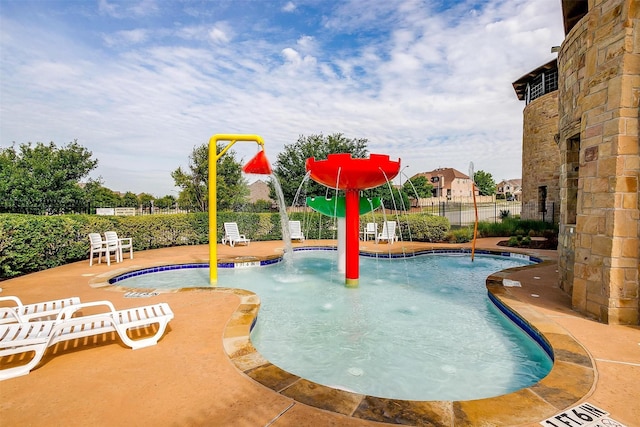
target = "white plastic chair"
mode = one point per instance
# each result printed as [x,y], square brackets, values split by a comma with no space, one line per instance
[12,309]
[100,247]
[18,339]
[370,230]
[232,235]
[295,230]
[388,233]
[121,243]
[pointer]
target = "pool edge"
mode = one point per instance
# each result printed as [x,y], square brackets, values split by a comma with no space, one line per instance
[571,378]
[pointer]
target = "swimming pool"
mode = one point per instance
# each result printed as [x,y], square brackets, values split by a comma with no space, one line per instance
[421,328]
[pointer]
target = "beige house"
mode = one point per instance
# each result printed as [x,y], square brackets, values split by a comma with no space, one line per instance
[449,183]
[509,188]
[580,145]
[259,190]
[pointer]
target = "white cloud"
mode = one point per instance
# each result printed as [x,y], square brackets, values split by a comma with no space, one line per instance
[128,37]
[220,33]
[289,7]
[125,8]
[431,88]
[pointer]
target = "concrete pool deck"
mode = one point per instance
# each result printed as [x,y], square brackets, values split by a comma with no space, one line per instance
[188,378]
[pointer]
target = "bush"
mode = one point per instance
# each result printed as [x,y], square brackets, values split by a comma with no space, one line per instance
[31,243]
[513,226]
[461,235]
[413,227]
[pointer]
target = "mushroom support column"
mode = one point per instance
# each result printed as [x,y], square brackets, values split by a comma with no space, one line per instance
[352,238]
[343,172]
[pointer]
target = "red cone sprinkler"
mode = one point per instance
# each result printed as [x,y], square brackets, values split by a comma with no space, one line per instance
[352,175]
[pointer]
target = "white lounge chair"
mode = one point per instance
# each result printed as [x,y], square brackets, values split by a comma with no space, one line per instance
[371,229]
[19,338]
[388,233]
[232,235]
[100,247]
[121,242]
[295,230]
[13,310]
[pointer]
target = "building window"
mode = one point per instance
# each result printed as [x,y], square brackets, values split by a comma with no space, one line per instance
[542,198]
[542,84]
[572,164]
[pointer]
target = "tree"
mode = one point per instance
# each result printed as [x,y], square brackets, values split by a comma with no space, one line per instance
[485,183]
[193,183]
[418,186]
[44,178]
[145,200]
[130,200]
[99,196]
[166,202]
[392,200]
[289,167]
[232,189]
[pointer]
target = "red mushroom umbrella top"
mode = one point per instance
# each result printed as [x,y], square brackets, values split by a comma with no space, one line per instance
[346,173]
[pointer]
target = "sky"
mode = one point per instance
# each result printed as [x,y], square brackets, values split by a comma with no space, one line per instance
[140,83]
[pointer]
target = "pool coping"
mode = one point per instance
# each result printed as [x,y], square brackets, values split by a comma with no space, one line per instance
[571,378]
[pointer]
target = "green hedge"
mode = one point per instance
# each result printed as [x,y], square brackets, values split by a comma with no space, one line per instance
[412,227]
[31,243]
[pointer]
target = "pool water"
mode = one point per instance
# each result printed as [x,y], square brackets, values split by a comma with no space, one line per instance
[420,328]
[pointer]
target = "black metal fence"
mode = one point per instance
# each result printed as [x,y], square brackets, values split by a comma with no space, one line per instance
[53,208]
[464,214]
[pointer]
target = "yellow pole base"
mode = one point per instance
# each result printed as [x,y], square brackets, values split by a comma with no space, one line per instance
[352,283]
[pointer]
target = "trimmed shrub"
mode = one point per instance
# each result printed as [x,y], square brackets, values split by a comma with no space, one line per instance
[461,235]
[413,227]
[31,243]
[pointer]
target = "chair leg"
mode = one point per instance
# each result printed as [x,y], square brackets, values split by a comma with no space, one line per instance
[17,371]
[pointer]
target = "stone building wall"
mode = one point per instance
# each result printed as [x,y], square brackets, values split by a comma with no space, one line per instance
[541,157]
[599,92]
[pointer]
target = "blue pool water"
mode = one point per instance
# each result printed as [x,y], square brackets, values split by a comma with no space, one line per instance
[420,328]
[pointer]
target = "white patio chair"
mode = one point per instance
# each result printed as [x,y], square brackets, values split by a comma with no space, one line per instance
[295,230]
[232,235]
[388,233]
[100,247]
[122,243]
[371,229]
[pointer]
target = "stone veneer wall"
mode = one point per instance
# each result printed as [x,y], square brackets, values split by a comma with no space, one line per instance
[599,92]
[540,153]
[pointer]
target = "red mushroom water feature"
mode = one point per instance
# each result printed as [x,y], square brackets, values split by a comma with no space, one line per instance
[351,175]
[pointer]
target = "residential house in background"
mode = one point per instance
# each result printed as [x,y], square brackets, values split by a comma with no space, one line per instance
[259,190]
[449,184]
[509,189]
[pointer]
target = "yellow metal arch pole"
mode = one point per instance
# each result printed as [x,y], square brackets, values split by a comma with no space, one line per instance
[214,156]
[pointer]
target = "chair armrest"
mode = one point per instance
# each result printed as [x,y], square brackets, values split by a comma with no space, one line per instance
[68,312]
[125,239]
[16,300]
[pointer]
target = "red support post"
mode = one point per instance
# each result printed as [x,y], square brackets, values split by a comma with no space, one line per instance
[352,223]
